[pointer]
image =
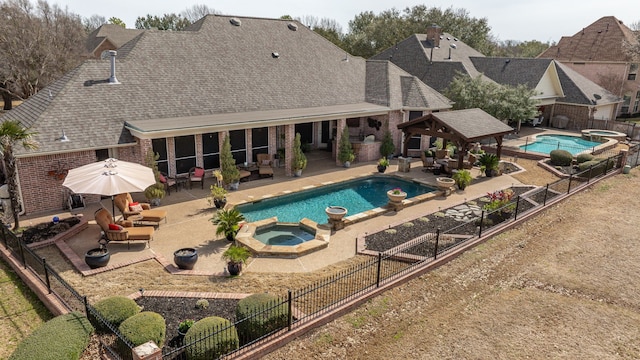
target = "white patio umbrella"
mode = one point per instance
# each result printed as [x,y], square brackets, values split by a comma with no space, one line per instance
[109,178]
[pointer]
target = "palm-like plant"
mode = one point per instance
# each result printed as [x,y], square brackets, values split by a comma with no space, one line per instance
[12,133]
[227,222]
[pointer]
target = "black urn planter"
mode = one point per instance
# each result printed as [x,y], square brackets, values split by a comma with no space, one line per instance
[185,258]
[234,268]
[382,169]
[220,203]
[98,257]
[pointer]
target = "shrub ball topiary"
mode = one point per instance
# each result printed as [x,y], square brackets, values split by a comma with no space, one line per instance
[116,309]
[584,158]
[222,338]
[143,327]
[561,157]
[598,166]
[264,313]
[63,337]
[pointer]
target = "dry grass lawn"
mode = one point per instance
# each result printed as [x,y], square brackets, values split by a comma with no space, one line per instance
[563,285]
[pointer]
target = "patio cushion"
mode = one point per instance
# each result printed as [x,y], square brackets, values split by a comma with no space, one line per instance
[135,207]
[198,172]
[115,227]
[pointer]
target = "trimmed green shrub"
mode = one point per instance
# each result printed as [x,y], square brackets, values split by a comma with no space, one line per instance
[224,341]
[143,327]
[561,157]
[261,316]
[117,309]
[63,337]
[599,166]
[584,158]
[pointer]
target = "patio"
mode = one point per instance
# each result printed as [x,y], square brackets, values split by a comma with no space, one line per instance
[189,226]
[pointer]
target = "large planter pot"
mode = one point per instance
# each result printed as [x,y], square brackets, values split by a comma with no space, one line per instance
[185,258]
[336,212]
[396,198]
[219,203]
[234,185]
[297,173]
[98,257]
[234,268]
[347,164]
[445,183]
[382,169]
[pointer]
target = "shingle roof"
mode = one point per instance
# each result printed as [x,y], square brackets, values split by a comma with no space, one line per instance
[580,90]
[512,71]
[473,124]
[116,34]
[221,68]
[600,41]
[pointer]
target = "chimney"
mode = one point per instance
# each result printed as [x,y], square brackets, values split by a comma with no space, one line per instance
[433,35]
[112,57]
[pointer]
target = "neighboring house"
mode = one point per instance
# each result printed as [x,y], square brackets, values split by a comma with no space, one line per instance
[597,52]
[109,37]
[436,58]
[179,93]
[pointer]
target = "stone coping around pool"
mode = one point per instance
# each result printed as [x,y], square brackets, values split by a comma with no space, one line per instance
[620,136]
[366,215]
[259,249]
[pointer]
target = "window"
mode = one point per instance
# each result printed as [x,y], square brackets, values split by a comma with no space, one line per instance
[185,149]
[259,141]
[238,145]
[631,77]
[102,154]
[211,151]
[159,146]
[633,70]
[416,140]
[306,132]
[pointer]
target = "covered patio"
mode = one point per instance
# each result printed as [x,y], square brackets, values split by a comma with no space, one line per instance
[461,128]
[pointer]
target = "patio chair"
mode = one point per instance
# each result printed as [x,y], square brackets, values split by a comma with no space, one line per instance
[122,230]
[265,165]
[196,174]
[124,202]
[168,182]
[75,202]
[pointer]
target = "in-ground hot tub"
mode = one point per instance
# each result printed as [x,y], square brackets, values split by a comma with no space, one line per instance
[597,134]
[269,237]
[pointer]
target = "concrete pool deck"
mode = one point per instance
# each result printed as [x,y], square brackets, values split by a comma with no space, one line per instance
[188,222]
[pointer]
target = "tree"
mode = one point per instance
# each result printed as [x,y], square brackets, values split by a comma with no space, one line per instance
[519,49]
[632,48]
[166,22]
[93,22]
[370,34]
[230,173]
[501,101]
[12,134]
[117,21]
[37,45]
[330,29]
[197,12]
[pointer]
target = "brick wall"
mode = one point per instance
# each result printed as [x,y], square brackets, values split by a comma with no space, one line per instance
[578,115]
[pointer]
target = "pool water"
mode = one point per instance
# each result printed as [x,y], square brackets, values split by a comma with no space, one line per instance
[356,195]
[546,143]
[284,235]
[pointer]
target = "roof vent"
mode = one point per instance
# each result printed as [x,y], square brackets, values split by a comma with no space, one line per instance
[448,38]
[275,55]
[441,37]
[235,21]
[455,39]
[292,26]
[453,46]
[597,96]
[112,78]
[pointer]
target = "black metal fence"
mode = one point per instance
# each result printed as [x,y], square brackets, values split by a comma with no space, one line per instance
[308,303]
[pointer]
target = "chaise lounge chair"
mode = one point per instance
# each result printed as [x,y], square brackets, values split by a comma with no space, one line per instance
[125,203]
[122,230]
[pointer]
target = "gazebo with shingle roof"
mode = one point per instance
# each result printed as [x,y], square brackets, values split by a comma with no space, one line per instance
[461,127]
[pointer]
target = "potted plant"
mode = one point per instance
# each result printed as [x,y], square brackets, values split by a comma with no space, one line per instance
[184,326]
[154,192]
[236,256]
[218,196]
[227,222]
[383,164]
[462,178]
[185,258]
[386,147]
[396,195]
[98,257]
[345,150]
[299,161]
[229,170]
[489,162]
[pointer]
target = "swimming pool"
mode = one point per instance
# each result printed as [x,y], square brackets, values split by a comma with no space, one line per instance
[356,195]
[546,143]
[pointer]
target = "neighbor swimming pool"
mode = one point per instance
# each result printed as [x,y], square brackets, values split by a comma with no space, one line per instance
[546,143]
[356,195]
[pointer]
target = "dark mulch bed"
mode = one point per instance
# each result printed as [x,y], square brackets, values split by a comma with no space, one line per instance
[400,234]
[45,231]
[175,310]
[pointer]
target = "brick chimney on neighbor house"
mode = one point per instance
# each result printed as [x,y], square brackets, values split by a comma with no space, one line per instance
[433,35]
